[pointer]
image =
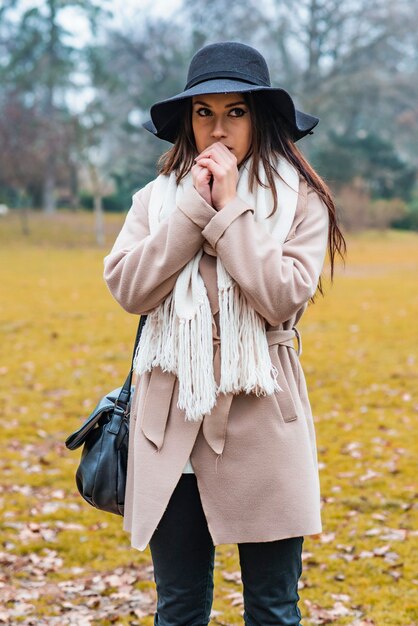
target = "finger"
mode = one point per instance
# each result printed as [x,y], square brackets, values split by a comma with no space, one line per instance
[219,159]
[201,174]
[199,169]
[218,152]
[225,150]
[218,170]
[223,167]
[218,145]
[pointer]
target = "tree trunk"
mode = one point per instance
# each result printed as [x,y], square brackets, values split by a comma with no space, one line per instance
[99,218]
[23,208]
[74,191]
[48,200]
[98,204]
[48,192]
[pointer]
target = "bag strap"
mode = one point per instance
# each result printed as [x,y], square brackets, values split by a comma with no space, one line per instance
[125,392]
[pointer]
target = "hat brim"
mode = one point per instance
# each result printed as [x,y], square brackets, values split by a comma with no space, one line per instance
[166,114]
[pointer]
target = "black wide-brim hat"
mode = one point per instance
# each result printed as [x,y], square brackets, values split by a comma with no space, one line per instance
[227,67]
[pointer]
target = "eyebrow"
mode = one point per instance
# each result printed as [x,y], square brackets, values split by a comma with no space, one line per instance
[227,106]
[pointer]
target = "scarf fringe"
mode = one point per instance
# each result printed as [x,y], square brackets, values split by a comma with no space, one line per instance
[183,347]
[159,340]
[197,385]
[245,358]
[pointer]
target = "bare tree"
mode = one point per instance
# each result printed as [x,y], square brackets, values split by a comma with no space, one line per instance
[354,62]
[38,66]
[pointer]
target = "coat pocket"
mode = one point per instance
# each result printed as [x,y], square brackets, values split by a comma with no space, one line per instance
[284,399]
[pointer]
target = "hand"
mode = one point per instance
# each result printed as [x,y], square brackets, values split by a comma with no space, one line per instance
[221,163]
[201,181]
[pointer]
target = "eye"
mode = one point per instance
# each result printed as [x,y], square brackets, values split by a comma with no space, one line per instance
[203,112]
[237,112]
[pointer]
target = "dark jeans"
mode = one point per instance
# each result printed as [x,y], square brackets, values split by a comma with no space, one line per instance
[183,556]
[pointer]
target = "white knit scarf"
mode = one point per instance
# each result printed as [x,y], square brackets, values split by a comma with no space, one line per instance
[177,335]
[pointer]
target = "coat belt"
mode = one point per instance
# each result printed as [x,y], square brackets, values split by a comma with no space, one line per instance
[214,424]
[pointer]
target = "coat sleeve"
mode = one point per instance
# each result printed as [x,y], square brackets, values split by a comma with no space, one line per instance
[141,268]
[277,279]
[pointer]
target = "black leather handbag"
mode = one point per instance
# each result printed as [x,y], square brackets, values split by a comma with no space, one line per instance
[101,474]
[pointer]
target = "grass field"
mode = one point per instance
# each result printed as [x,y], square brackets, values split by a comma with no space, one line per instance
[65,342]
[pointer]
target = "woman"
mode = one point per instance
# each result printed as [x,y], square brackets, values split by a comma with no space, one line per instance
[223,251]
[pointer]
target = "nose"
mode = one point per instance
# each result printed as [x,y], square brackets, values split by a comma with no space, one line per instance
[218,128]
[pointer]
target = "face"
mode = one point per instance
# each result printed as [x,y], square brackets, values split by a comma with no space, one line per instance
[222,117]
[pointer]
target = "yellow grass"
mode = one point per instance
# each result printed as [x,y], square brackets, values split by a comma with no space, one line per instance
[65,342]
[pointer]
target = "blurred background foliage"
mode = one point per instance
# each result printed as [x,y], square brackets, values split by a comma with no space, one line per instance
[76,85]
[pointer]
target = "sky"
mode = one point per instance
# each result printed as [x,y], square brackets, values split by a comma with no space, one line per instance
[133,7]
[124,11]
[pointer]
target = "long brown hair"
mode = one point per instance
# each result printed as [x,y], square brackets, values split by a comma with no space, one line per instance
[271,137]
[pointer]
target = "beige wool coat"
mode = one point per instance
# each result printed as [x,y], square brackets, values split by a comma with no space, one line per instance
[255,458]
